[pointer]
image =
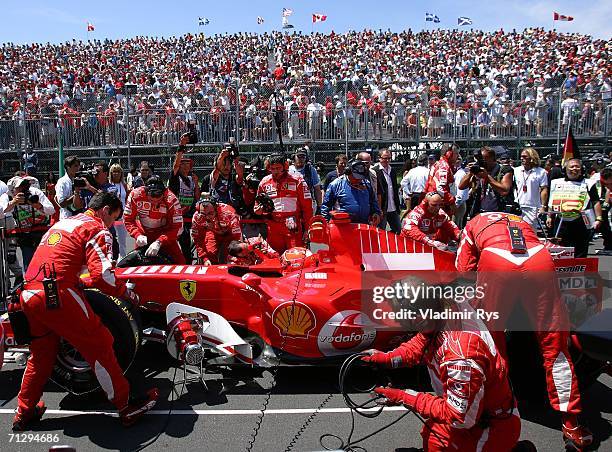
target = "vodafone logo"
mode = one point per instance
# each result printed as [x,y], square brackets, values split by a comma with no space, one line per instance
[346,331]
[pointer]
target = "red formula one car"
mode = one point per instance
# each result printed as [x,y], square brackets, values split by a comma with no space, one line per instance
[300,310]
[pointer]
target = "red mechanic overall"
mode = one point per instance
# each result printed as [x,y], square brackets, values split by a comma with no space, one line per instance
[530,277]
[440,180]
[158,220]
[434,229]
[473,408]
[212,235]
[292,210]
[71,244]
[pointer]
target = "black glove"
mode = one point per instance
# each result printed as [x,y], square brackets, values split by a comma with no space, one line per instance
[265,202]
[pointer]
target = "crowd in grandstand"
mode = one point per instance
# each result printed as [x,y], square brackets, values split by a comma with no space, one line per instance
[394,82]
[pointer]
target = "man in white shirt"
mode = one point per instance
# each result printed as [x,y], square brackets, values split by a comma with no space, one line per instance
[531,186]
[66,194]
[461,196]
[413,183]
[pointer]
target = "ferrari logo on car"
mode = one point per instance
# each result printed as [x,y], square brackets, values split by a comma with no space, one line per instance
[188,289]
[293,319]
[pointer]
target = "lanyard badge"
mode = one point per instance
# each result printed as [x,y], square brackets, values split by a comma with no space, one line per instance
[517,241]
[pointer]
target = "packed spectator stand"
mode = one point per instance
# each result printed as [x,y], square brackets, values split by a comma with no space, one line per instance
[360,86]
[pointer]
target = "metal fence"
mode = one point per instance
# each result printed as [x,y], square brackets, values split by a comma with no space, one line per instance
[317,123]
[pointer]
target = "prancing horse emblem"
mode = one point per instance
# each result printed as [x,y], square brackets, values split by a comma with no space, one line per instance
[188,289]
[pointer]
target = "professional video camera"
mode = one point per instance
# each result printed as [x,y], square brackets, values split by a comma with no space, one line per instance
[30,198]
[255,172]
[232,148]
[478,165]
[85,174]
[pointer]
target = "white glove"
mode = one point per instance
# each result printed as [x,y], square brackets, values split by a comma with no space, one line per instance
[441,246]
[153,249]
[141,241]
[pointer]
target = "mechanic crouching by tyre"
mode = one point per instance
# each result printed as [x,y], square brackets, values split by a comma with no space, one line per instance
[215,226]
[473,408]
[153,217]
[428,223]
[292,205]
[514,266]
[63,311]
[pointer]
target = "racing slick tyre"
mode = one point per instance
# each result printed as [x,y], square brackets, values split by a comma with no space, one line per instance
[71,371]
[137,257]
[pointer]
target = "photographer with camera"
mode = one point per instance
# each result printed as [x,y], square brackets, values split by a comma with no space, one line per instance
[31,212]
[92,181]
[185,186]
[227,177]
[494,184]
[67,194]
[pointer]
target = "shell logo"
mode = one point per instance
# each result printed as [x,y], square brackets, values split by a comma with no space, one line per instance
[345,332]
[293,319]
[54,238]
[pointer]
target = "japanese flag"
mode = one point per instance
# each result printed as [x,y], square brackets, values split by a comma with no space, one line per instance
[318,18]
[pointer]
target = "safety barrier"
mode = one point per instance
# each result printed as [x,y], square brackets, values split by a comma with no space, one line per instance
[316,123]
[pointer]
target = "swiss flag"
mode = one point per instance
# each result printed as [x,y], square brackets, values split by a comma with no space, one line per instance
[318,18]
[90,26]
[557,16]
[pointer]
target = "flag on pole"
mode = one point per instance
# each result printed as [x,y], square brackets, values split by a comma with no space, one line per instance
[429,17]
[286,23]
[203,21]
[557,16]
[570,149]
[90,26]
[464,21]
[287,12]
[260,20]
[316,17]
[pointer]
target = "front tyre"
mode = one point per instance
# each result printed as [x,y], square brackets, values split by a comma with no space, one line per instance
[71,371]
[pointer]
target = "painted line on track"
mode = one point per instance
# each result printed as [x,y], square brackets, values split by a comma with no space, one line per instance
[211,412]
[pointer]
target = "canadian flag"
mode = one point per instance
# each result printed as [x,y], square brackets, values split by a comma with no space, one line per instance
[557,16]
[318,18]
[90,26]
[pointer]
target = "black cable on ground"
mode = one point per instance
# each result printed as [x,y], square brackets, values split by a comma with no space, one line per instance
[168,417]
[348,446]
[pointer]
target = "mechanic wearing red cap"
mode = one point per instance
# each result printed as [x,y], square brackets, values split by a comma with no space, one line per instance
[69,245]
[185,186]
[506,253]
[441,176]
[292,205]
[153,217]
[473,408]
[428,223]
[215,226]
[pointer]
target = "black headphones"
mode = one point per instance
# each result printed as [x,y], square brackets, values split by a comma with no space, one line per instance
[356,166]
[154,187]
[208,198]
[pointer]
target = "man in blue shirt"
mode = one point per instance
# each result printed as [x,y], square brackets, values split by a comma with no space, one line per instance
[353,193]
